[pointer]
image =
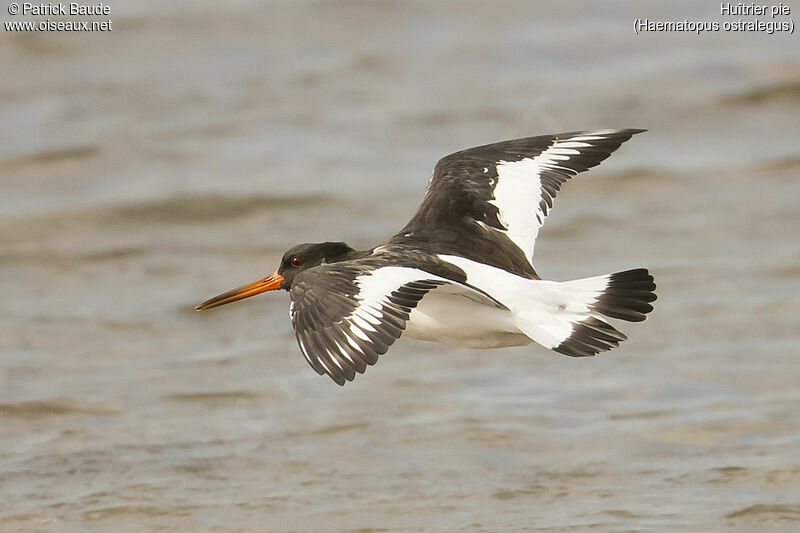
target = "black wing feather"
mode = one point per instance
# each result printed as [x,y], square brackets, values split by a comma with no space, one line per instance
[325,303]
[457,207]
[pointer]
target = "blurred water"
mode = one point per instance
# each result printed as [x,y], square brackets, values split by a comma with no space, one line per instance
[147,169]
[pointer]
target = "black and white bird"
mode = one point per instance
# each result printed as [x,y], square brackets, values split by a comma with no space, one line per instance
[461,271]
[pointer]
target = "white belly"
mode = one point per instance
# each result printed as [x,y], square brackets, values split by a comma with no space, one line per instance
[456,317]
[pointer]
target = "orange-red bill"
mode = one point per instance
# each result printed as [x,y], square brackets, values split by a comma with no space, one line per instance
[270,283]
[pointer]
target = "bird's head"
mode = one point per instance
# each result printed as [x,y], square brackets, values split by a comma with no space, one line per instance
[294,261]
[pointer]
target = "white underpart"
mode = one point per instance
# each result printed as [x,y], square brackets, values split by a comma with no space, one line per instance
[544,311]
[458,315]
[449,313]
[519,188]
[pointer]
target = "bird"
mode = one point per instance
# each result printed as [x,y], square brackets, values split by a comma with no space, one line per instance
[461,271]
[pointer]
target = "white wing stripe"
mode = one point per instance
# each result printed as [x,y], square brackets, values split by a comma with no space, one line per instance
[364,313]
[353,343]
[586,138]
[327,370]
[358,333]
[305,352]
[572,143]
[363,324]
[557,149]
[371,314]
[519,188]
[373,289]
[343,352]
[333,358]
[341,346]
[518,184]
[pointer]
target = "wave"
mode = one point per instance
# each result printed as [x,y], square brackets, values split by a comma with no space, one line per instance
[44,408]
[782,91]
[49,157]
[768,513]
[183,209]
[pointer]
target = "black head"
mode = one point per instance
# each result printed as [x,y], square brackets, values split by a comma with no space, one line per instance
[303,256]
[294,261]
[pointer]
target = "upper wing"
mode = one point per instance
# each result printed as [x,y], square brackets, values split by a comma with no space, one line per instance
[347,314]
[498,195]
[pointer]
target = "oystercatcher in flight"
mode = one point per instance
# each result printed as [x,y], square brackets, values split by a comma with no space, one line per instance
[461,271]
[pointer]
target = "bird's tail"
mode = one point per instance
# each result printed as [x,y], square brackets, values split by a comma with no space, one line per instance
[572,320]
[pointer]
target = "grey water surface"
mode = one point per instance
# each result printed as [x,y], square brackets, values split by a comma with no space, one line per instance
[146,169]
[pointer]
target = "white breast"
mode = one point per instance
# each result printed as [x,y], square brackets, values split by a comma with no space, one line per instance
[457,316]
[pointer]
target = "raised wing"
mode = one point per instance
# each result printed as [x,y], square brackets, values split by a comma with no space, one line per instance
[489,202]
[347,314]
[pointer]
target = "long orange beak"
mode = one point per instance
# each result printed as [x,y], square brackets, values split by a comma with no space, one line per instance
[270,283]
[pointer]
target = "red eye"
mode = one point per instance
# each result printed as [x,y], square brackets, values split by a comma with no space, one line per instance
[296,261]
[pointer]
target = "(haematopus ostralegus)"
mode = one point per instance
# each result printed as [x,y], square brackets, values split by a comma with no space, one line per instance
[461,271]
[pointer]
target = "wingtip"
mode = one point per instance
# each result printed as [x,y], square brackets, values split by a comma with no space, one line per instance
[624,135]
[622,131]
[629,132]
